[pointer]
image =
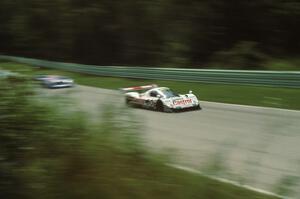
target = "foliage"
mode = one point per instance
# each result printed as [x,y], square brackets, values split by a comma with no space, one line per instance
[146,32]
[243,55]
[32,134]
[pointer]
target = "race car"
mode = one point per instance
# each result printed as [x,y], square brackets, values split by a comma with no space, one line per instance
[55,81]
[160,99]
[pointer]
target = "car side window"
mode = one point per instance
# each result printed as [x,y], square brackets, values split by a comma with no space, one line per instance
[153,94]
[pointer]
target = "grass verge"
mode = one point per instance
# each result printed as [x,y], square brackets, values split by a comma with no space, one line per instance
[283,64]
[287,98]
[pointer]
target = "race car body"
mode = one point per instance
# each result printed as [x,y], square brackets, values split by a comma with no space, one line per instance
[160,99]
[54,81]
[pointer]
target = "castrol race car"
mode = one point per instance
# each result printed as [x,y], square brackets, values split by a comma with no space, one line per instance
[160,99]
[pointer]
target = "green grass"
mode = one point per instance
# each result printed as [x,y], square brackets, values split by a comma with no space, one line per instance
[286,98]
[287,64]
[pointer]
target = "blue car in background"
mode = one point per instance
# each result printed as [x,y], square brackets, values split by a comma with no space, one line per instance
[4,73]
[55,81]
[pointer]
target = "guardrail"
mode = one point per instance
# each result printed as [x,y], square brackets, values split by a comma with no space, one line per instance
[256,78]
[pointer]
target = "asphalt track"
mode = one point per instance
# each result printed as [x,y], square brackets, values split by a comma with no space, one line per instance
[255,146]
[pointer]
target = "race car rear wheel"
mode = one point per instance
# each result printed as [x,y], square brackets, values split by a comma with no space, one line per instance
[159,106]
[128,102]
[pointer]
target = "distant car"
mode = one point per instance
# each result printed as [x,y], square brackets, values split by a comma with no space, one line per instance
[4,74]
[55,81]
[160,99]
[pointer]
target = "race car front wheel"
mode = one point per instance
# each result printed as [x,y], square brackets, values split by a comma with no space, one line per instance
[198,107]
[162,108]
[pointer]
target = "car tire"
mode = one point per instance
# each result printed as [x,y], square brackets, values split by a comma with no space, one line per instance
[162,108]
[127,102]
[198,107]
[159,106]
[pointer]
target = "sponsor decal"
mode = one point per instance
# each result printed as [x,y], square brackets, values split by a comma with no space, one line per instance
[182,102]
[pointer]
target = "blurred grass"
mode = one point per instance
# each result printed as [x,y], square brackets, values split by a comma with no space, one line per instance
[286,64]
[48,150]
[287,98]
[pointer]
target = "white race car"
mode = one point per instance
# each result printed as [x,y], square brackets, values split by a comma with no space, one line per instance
[160,99]
[54,81]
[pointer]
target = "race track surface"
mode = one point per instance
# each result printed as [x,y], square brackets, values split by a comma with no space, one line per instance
[256,146]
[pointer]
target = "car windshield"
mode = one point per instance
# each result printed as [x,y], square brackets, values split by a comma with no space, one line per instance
[169,93]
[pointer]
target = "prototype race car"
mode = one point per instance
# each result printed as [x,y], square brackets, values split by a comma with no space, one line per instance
[160,99]
[55,81]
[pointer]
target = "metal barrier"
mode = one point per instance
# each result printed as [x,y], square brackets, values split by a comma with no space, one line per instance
[257,78]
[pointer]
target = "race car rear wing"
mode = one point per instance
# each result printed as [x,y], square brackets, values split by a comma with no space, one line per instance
[138,88]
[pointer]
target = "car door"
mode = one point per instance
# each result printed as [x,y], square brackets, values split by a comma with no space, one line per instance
[151,99]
